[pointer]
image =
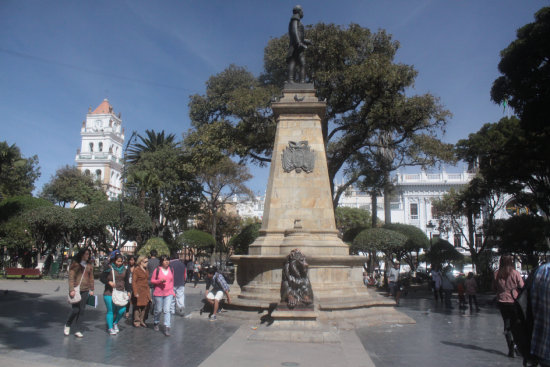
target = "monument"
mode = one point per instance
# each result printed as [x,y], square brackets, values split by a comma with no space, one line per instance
[298,214]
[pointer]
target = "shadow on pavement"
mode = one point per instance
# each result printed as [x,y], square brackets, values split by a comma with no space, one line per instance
[474,347]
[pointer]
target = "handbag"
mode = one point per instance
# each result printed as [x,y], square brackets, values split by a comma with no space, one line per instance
[120,298]
[77,297]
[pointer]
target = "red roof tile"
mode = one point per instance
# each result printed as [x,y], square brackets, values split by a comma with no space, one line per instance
[104,108]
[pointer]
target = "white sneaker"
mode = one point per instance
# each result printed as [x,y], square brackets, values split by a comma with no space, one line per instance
[67,330]
[78,334]
[112,332]
[115,328]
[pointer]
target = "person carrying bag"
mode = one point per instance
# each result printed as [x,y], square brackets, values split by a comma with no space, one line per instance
[78,294]
[114,278]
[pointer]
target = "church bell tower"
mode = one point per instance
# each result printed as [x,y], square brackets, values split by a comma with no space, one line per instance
[100,153]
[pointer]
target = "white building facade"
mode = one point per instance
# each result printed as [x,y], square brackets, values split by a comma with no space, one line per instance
[100,153]
[411,203]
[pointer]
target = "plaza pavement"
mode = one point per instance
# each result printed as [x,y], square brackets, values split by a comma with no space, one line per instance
[32,314]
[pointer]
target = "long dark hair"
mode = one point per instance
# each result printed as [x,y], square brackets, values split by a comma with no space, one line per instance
[162,258]
[116,257]
[506,266]
[77,259]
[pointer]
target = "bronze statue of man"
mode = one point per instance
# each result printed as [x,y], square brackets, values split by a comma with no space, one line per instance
[298,44]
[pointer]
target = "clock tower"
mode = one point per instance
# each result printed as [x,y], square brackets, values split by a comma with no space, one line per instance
[100,154]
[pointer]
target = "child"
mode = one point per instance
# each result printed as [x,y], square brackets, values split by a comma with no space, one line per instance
[471,290]
[460,290]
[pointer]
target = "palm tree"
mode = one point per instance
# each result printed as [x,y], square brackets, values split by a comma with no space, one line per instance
[153,142]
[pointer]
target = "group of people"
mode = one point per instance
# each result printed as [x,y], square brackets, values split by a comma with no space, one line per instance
[154,283]
[442,286]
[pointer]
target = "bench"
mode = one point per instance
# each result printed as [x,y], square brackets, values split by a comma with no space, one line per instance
[17,273]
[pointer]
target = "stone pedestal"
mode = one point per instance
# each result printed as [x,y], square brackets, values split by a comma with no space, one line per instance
[298,213]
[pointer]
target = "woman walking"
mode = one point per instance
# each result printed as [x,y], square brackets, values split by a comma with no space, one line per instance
[129,277]
[163,281]
[471,290]
[114,279]
[81,275]
[506,282]
[142,293]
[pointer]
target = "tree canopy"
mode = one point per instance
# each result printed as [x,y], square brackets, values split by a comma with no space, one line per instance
[161,179]
[70,185]
[525,66]
[522,235]
[201,241]
[442,252]
[155,243]
[15,231]
[17,174]
[380,240]
[349,218]
[354,70]
[245,238]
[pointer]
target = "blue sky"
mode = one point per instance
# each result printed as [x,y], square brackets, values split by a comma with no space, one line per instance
[57,58]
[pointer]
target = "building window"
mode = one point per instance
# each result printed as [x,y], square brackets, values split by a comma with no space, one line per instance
[100,145]
[91,147]
[87,172]
[479,240]
[458,240]
[414,210]
[98,174]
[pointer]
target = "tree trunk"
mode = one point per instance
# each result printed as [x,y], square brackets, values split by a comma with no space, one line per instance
[387,198]
[374,204]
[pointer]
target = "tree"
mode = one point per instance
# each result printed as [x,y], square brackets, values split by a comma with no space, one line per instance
[155,243]
[525,86]
[151,143]
[349,218]
[416,240]
[469,212]
[373,240]
[17,174]
[201,242]
[70,185]
[508,161]
[52,226]
[220,182]
[442,252]
[525,65]
[14,229]
[353,70]
[522,235]
[162,181]
[245,238]
[104,224]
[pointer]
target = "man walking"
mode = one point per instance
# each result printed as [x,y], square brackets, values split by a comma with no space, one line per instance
[151,266]
[393,282]
[540,301]
[179,270]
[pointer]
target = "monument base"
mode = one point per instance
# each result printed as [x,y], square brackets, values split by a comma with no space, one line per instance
[338,289]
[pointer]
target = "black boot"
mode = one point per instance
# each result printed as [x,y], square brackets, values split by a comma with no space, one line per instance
[510,343]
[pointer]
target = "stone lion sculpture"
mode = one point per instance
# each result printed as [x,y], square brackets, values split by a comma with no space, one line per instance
[295,285]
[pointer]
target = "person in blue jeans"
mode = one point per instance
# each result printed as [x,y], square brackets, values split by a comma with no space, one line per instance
[114,277]
[163,281]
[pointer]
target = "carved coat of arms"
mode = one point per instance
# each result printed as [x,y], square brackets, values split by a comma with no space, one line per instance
[298,156]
